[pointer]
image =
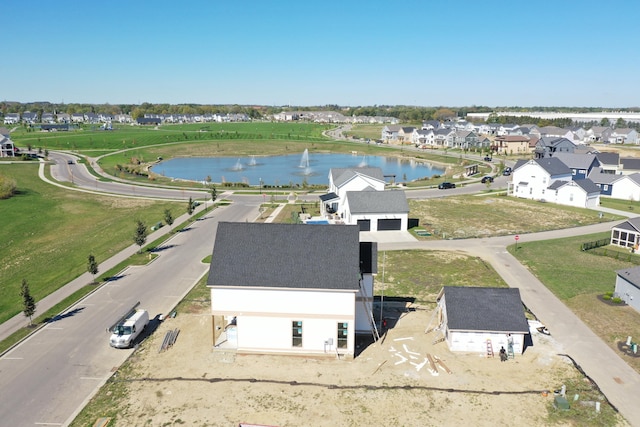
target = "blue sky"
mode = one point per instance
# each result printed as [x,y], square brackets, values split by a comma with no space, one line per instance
[351,53]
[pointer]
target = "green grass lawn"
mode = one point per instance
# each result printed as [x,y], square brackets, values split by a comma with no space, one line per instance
[579,278]
[126,136]
[48,233]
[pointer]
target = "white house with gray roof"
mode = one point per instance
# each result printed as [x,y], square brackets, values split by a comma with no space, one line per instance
[342,180]
[377,210]
[291,288]
[581,193]
[473,317]
[628,286]
[532,178]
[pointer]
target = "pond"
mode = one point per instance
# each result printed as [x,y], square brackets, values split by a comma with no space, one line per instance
[289,169]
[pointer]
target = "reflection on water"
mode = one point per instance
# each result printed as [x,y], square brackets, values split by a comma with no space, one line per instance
[289,169]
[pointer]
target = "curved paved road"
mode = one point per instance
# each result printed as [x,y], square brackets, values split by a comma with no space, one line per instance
[617,380]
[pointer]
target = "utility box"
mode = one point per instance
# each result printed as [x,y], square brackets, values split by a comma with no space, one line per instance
[561,403]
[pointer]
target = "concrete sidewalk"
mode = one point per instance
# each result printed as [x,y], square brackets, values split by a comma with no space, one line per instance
[18,321]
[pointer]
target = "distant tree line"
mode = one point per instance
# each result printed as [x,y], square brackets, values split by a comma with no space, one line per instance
[404,113]
[560,122]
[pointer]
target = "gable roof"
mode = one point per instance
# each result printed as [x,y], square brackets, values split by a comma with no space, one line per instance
[608,158]
[603,178]
[631,275]
[341,175]
[485,309]
[632,224]
[576,161]
[552,165]
[297,256]
[377,202]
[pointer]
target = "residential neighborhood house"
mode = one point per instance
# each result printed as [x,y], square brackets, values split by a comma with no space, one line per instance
[291,288]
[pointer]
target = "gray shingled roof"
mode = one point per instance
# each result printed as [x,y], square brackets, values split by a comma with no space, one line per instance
[342,175]
[485,309]
[631,275]
[588,186]
[286,256]
[328,196]
[603,178]
[377,202]
[577,161]
[557,184]
[632,224]
[630,163]
[553,166]
[608,158]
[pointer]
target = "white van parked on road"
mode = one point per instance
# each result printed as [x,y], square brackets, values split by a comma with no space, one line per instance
[126,331]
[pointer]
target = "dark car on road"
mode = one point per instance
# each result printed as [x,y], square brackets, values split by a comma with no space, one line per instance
[486,179]
[487,158]
[507,171]
[445,185]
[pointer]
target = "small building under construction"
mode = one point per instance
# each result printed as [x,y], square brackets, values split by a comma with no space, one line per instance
[481,320]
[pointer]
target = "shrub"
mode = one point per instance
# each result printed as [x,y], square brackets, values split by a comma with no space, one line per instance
[7,187]
[616,300]
[606,297]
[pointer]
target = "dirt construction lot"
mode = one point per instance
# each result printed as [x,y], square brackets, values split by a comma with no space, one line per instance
[388,384]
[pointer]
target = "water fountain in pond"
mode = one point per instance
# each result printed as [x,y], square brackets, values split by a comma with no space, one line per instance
[252,162]
[304,162]
[237,166]
[363,163]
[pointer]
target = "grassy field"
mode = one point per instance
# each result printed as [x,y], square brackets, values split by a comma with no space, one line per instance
[622,205]
[49,232]
[90,138]
[579,278]
[495,215]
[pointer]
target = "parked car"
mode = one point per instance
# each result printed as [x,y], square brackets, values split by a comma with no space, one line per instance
[445,185]
[506,172]
[487,158]
[69,162]
[486,179]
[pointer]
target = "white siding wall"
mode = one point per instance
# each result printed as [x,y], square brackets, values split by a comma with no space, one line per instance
[573,195]
[625,189]
[279,301]
[629,293]
[476,342]
[536,178]
[264,317]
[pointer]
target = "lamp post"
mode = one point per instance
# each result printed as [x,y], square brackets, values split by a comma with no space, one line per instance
[260,185]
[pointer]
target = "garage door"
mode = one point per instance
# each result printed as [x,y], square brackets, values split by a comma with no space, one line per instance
[389,224]
[365,224]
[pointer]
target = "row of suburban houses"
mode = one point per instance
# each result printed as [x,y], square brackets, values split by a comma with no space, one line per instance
[96,118]
[501,138]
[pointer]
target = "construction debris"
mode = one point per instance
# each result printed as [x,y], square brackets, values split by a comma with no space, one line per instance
[169,339]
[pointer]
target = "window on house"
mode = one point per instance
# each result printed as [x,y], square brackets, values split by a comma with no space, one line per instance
[606,187]
[573,171]
[296,333]
[343,333]
[571,197]
[531,190]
